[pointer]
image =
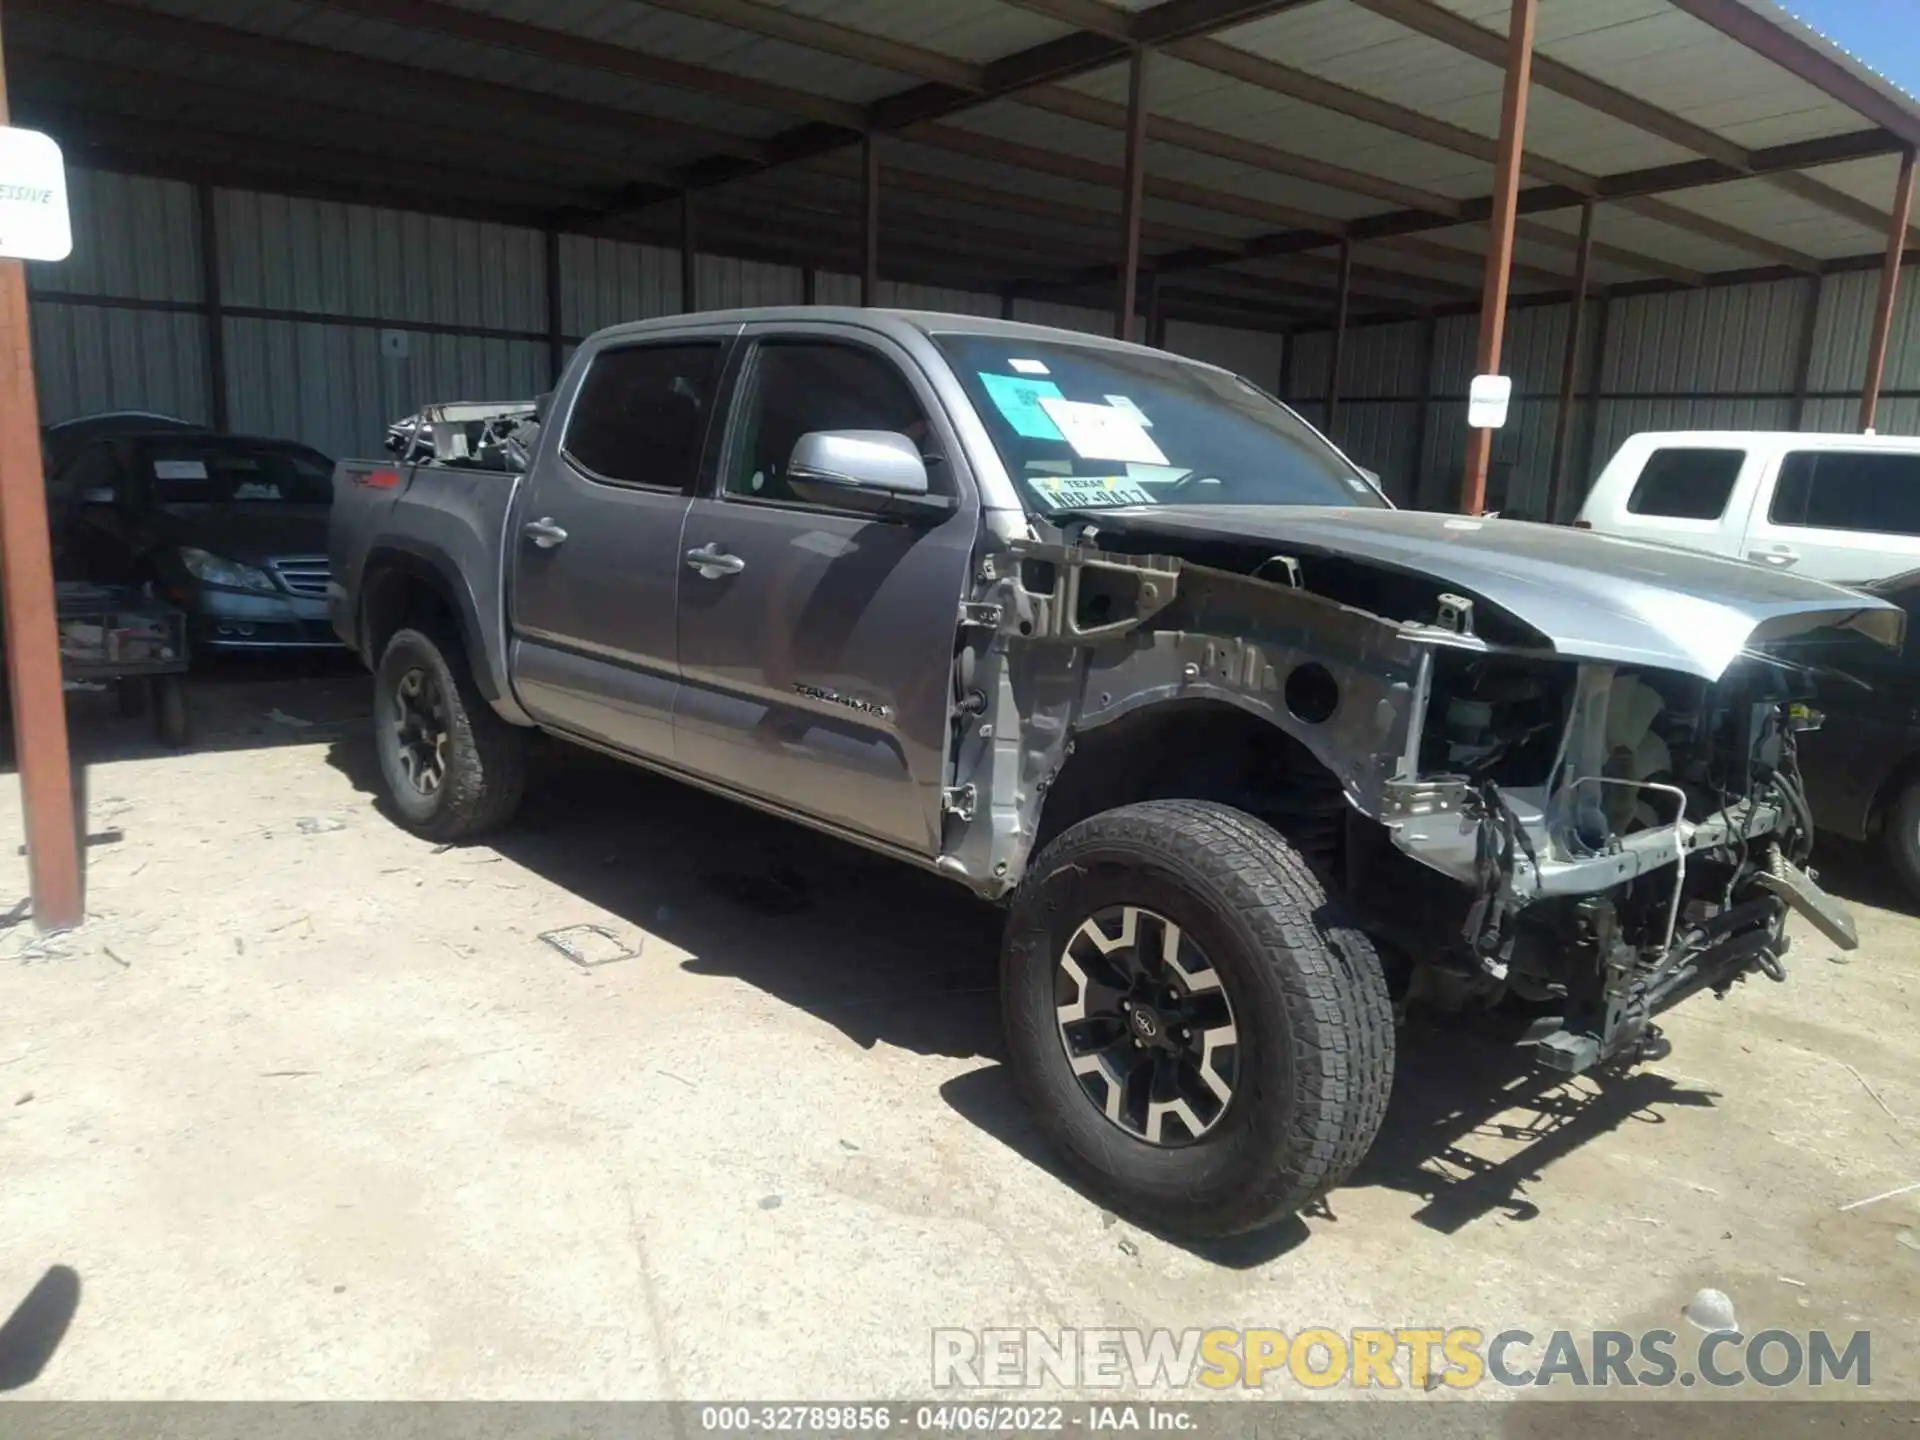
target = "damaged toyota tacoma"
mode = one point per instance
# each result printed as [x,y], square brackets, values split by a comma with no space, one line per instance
[1118,641]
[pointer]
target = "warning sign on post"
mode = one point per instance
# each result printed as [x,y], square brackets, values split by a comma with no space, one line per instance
[34,224]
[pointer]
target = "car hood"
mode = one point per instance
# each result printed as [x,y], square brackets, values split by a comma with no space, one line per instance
[1591,596]
[249,533]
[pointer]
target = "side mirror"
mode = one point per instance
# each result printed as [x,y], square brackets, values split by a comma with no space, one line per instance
[872,470]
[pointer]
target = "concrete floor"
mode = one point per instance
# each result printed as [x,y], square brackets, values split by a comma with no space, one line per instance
[311,1110]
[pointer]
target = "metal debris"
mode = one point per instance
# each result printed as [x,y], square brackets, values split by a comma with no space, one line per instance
[280,717]
[318,824]
[1710,1310]
[589,946]
[1883,1195]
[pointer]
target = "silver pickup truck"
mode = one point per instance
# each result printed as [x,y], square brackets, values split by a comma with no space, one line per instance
[1118,640]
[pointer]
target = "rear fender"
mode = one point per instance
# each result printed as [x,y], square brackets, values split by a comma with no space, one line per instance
[427,564]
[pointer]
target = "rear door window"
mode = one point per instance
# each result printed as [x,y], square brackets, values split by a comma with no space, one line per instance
[641,415]
[1863,490]
[1687,484]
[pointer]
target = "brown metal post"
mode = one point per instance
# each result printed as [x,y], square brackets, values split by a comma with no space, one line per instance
[1337,346]
[870,245]
[1596,375]
[210,300]
[1809,337]
[689,255]
[1134,195]
[1570,367]
[1152,321]
[1423,416]
[556,334]
[1506,199]
[32,636]
[1889,293]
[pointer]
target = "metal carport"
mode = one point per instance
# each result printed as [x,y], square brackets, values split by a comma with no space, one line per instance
[1309,189]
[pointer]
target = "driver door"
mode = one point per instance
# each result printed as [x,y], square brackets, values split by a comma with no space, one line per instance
[817,653]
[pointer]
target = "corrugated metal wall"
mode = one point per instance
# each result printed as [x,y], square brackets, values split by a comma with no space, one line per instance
[339,318]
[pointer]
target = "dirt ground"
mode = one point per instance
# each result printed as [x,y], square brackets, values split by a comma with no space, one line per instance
[309,1109]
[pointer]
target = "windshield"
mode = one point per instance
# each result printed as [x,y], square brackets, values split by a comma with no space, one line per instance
[1079,427]
[185,473]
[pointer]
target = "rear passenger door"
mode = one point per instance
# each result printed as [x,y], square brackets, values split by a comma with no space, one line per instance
[1842,515]
[817,645]
[594,540]
[1688,495]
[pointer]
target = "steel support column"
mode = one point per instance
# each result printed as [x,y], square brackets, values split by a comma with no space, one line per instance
[556,333]
[1423,415]
[1889,293]
[689,255]
[217,405]
[870,225]
[1506,200]
[1570,367]
[1134,193]
[32,636]
[1809,338]
[1337,341]
[1596,376]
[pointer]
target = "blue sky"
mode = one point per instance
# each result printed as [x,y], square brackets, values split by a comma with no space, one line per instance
[1884,33]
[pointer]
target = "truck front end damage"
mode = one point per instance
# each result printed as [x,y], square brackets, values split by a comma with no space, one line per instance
[1518,799]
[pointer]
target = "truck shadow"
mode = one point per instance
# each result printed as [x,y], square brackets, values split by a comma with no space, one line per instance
[885,953]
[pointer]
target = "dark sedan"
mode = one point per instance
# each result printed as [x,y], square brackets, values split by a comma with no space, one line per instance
[231,528]
[1862,767]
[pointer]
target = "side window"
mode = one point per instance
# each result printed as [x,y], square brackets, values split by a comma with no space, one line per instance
[802,385]
[642,411]
[1849,490]
[94,469]
[1686,484]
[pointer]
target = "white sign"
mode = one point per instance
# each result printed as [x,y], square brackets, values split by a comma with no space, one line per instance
[34,224]
[1100,432]
[1487,401]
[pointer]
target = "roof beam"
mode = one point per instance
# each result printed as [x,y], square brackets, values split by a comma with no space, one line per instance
[1793,51]
[1076,53]
[1491,46]
[1464,259]
[1095,172]
[1540,233]
[566,48]
[1078,105]
[83,82]
[1679,218]
[1851,207]
[897,179]
[828,38]
[368,72]
[1280,79]
[385,167]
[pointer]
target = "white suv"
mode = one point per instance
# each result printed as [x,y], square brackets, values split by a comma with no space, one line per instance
[1844,508]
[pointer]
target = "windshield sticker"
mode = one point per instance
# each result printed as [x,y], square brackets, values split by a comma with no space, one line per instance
[179,469]
[1020,401]
[1084,492]
[250,490]
[1028,367]
[1125,403]
[1100,432]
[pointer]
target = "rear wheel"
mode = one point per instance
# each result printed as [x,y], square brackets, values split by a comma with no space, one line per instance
[453,767]
[1902,838]
[1199,1031]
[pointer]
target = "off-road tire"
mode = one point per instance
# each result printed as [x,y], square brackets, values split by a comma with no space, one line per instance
[1309,999]
[1901,837]
[486,762]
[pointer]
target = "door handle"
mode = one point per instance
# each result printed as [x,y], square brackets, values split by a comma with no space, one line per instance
[712,562]
[545,533]
[1780,556]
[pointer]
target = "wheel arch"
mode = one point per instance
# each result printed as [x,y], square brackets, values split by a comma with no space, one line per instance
[405,580]
[1214,745]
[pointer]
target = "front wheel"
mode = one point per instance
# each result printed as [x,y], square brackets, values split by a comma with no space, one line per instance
[453,767]
[1200,1031]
